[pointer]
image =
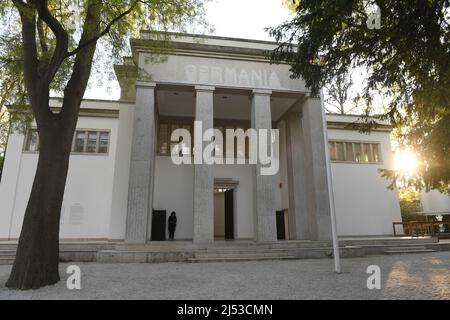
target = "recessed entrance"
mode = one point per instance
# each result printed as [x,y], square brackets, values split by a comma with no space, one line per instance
[224,207]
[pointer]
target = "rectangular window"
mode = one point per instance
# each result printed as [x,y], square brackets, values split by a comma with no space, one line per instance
[241,151]
[376,152]
[163,138]
[332,150]
[349,156]
[165,145]
[91,146]
[103,143]
[358,152]
[80,139]
[173,145]
[187,145]
[219,145]
[339,151]
[367,153]
[83,141]
[32,141]
[347,151]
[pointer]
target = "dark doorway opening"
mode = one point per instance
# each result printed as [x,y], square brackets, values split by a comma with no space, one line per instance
[223,214]
[158,225]
[229,214]
[281,227]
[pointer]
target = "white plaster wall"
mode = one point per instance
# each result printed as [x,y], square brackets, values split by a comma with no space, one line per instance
[121,172]
[173,192]
[88,193]
[364,205]
[435,201]
[8,182]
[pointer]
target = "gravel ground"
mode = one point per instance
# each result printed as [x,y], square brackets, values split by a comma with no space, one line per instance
[412,276]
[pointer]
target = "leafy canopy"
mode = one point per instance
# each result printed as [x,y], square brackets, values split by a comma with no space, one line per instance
[58,19]
[408,63]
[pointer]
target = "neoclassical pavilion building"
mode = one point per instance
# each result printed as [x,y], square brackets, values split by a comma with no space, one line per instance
[123,184]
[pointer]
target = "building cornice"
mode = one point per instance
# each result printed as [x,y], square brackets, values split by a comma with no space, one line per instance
[84,112]
[198,49]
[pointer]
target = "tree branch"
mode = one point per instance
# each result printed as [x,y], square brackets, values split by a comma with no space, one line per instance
[108,27]
[62,39]
[77,84]
[28,19]
[42,37]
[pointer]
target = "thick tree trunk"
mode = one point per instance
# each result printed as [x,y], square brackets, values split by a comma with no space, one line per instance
[37,257]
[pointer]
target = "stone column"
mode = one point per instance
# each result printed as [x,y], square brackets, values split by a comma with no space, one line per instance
[296,172]
[317,196]
[203,173]
[140,191]
[263,185]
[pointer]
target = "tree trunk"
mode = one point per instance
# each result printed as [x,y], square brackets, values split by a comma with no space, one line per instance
[37,257]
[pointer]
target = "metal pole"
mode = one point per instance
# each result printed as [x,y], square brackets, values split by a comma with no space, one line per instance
[337,259]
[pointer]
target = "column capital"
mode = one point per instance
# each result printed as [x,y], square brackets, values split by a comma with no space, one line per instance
[145,84]
[261,92]
[205,88]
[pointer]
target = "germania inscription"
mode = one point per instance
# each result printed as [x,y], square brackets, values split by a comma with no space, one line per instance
[232,76]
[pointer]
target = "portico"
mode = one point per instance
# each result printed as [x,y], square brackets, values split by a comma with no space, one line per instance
[232,87]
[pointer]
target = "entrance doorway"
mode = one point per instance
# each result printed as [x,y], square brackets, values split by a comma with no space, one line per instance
[223,214]
[224,204]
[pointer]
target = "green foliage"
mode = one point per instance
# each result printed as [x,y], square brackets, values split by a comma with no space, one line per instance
[119,20]
[410,204]
[408,63]
[291,4]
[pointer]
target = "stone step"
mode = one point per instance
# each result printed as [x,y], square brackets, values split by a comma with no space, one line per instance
[400,251]
[6,261]
[246,250]
[202,255]
[7,253]
[407,248]
[8,246]
[251,246]
[399,242]
[241,258]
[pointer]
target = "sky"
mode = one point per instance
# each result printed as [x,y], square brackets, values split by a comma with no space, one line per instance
[230,18]
[246,18]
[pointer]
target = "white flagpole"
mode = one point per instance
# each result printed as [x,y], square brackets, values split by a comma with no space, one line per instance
[337,259]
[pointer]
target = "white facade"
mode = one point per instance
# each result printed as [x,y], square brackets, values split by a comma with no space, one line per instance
[97,202]
[434,201]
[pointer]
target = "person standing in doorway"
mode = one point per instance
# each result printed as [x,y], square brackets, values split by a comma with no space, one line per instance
[172,225]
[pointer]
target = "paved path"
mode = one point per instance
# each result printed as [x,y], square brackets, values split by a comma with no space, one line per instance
[412,276]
